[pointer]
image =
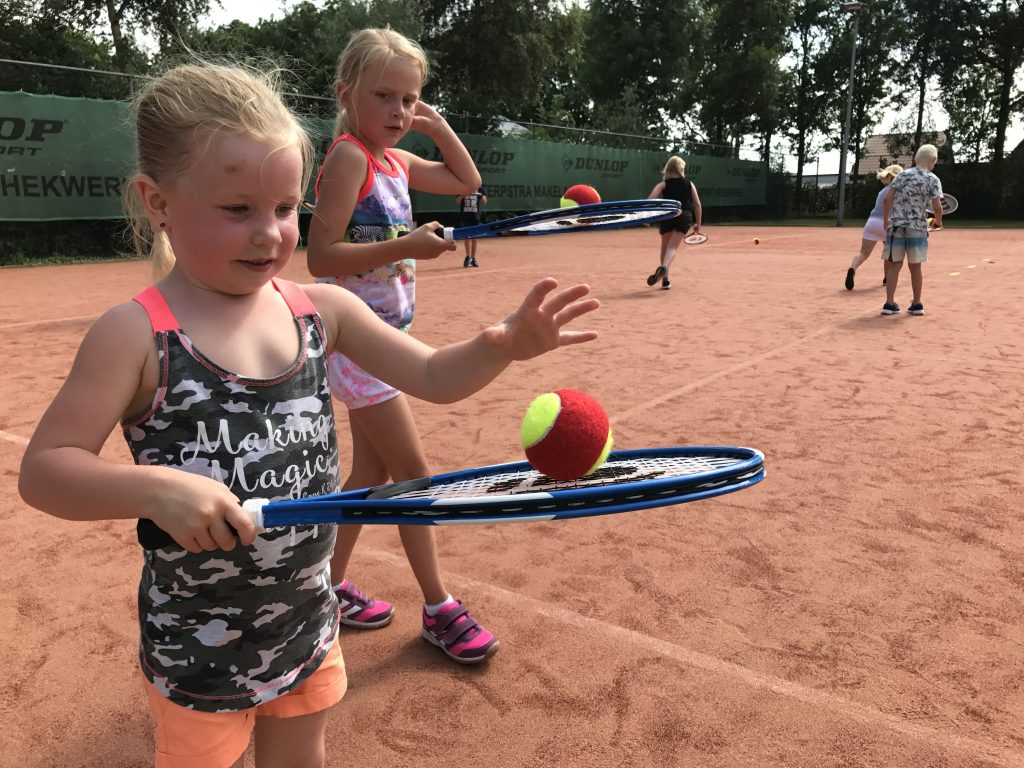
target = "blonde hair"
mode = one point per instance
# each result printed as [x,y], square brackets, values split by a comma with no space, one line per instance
[177,114]
[926,152]
[887,174]
[366,49]
[675,167]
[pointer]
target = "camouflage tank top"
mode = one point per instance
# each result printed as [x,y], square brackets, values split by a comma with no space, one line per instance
[224,631]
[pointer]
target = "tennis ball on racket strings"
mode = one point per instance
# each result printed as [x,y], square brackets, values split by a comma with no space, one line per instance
[566,434]
[579,194]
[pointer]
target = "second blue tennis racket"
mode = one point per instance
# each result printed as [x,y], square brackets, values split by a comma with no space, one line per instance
[580,218]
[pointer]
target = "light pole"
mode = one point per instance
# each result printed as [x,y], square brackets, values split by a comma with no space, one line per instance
[853,8]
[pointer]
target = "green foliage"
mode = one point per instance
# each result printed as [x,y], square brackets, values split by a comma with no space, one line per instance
[123,19]
[742,79]
[33,242]
[34,33]
[645,49]
[305,43]
[493,57]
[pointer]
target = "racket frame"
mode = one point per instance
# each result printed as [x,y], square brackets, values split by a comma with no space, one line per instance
[514,227]
[378,506]
[585,501]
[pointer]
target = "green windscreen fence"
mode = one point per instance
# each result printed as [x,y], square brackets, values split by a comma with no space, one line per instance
[66,158]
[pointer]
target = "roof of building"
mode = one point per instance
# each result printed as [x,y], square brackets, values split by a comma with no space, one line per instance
[885,149]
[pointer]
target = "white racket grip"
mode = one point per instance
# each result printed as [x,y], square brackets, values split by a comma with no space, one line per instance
[254,508]
[448,234]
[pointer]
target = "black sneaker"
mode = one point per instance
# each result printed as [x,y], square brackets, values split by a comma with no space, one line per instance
[467,261]
[665,284]
[472,262]
[890,309]
[658,274]
[849,278]
[917,308]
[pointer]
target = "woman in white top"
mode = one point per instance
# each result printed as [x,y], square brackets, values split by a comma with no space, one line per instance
[874,229]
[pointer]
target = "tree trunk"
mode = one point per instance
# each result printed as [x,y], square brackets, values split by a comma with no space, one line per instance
[1003,115]
[922,85]
[114,16]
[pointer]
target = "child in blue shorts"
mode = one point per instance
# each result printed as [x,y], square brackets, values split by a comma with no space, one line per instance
[905,213]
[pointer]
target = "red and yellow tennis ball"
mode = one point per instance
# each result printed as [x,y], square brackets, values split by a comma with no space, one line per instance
[566,434]
[579,194]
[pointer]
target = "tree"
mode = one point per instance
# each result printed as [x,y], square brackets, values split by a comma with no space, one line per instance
[648,50]
[970,97]
[304,43]
[742,79]
[809,81]
[123,19]
[493,57]
[34,33]
[940,27]
[879,31]
[563,99]
[1002,30]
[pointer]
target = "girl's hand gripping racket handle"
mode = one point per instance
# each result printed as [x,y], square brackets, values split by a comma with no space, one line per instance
[152,536]
[445,233]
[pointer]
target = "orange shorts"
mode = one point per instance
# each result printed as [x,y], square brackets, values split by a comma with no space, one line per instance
[186,738]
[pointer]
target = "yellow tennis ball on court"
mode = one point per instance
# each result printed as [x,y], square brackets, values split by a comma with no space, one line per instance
[566,434]
[757,241]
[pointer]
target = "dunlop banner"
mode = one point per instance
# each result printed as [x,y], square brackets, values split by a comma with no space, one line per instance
[523,175]
[66,158]
[62,158]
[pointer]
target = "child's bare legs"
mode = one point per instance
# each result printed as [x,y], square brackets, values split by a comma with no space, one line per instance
[892,276]
[470,260]
[295,742]
[916,280]
[386,443]
[386,446]
[669,245]
[866,247]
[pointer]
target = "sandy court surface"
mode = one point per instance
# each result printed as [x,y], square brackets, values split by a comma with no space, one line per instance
[863,606]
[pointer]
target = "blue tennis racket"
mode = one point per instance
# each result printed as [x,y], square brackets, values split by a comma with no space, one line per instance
[580,218]
[506,493]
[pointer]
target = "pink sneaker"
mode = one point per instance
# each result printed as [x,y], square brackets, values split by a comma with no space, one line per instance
[458,634]
[359,611]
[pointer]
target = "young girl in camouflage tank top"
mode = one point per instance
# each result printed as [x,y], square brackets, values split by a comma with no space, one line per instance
[217,375]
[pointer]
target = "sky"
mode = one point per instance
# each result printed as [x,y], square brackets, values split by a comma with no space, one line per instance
[251,11]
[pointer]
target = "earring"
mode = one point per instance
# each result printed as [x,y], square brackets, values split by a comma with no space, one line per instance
[163,224]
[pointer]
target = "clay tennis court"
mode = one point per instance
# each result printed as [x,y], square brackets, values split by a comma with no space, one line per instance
[863,606]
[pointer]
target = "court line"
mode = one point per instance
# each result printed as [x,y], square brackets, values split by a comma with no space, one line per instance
[672,394]
[13,438]
[813,697]
[51,321]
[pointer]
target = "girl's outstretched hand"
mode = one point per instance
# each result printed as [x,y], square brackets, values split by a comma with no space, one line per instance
[536,327]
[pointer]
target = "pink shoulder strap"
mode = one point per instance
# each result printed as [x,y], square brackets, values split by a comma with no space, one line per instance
[160,315]
[396,160]
[162,318]
[296,299]
[367,184]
